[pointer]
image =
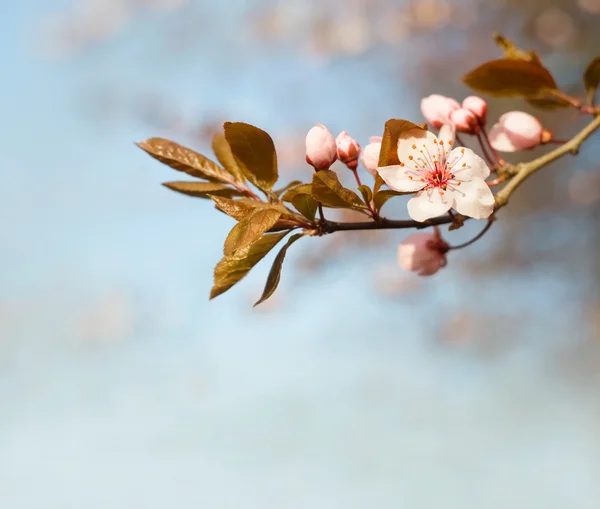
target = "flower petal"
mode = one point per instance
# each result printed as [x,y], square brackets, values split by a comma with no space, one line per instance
[500,140]
[474,199]
[427,204]
[447,134]
[412,142]
[466,164]
[400,178]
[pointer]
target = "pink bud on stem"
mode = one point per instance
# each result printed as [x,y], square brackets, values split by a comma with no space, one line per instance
[437,109]
[517,130]
[370,154]
[423,253]
[348,150]
[321,150]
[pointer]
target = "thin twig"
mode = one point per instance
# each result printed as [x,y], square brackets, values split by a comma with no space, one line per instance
[477,237]
[321,215]
[485,136]
[489,158]
[369,204]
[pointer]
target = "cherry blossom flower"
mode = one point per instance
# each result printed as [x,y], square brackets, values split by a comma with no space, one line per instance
[441,178]
[370,154]
[321,149]
[422,252]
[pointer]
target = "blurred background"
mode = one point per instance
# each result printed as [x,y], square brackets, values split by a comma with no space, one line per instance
[122,386]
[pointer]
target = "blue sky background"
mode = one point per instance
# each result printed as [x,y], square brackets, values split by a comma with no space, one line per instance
[122,386]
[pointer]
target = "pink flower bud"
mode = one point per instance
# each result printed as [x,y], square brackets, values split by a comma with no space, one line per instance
[516,130]
[321,150]
[348,150]
[422,252]
[465,121]
[437,109]
[370,154]
[477,106]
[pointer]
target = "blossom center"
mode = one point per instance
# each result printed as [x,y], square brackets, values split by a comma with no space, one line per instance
[433,167]
[438,176]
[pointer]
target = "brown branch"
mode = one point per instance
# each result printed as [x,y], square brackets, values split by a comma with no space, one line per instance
[519,174]
[383,224]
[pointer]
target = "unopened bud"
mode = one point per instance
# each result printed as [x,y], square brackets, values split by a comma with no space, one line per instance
[465,121]
[321,150]
[437,109]
[348,150]
[423,253]
[370,154]
[477,106]
[516,130]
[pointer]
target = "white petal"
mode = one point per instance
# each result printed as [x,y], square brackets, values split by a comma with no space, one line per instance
[465,164]
[427,204]
[500,140]
[447,134]
[412,142]
[397,178]
[474,199]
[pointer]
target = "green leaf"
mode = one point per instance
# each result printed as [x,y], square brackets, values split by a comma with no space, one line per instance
[299,189]
[382,197]
[254,152]
[306,205]
[591,77]
[202,189]
[327,189]
[250,229]
[238,209]
[184,159]
[223,152]
[232,269]
[366,192]
[394,128]
[509,77]
[294,183]
[275,273]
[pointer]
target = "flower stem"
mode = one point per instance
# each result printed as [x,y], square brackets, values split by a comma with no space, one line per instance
[321,215]
[483,134]
[477,237]
[370,205]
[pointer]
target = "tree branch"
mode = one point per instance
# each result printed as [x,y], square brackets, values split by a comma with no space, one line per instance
[519,174]
[384,224]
